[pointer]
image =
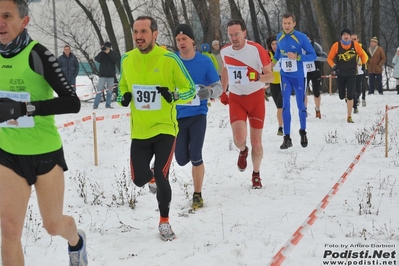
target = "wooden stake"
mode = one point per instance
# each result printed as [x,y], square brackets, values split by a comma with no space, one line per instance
[386,131]
[95,139]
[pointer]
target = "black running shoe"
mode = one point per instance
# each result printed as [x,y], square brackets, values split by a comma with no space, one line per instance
[304,139]
[280,131]
[286,142]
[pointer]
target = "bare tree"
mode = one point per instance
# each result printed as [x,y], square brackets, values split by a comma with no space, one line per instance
[128,12]
[326,25]
[344,14]
[266,15]
[127,32]
[235,12]
[310,23]
[254,21]
[109,27]
[170,12]
[294,6]
[395,11]
[376,18]
[89,21]
[214,11]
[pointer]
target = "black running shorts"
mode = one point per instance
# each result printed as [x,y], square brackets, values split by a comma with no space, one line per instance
[30,166]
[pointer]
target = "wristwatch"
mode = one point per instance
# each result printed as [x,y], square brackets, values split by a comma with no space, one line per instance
[175,96]
[30,108]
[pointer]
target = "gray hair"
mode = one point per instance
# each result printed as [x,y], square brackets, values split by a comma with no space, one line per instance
[23,9]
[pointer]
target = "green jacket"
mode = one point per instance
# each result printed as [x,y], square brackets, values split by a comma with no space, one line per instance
[151,114]
[18,81]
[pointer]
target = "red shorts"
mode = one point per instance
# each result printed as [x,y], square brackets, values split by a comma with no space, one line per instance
[250,106]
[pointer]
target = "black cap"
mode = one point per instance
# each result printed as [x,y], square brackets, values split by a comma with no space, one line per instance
[345,30]
[107,44]
[184,29]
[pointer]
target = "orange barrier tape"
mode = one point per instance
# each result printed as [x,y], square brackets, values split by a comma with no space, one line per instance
[89,118]
[282,254]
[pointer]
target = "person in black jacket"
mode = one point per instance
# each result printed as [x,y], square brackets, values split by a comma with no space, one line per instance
[108,60]
[69,65]
[314,73]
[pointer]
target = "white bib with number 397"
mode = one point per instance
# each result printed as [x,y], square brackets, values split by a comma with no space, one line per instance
[289,65]
[146,97]
[238,75]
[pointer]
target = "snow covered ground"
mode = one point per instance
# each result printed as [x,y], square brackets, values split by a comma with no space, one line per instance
[238,225]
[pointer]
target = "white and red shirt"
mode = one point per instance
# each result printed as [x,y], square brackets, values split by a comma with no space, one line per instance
[241,65]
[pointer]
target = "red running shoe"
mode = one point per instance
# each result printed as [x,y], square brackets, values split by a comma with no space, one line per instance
[242,160]
[256,181]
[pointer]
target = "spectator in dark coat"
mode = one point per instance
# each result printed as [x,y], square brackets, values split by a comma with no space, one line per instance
[108,60]
[69,65]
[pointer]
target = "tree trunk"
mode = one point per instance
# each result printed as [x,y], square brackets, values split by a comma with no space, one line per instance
[214,11]
[127,32]
[345,14]
[108,27]
[185,13]
[339,25]
[171,15]
[204,17]
[375,20]
[326,26]
[396,14]
[310,24]
[235,12]
[254,21]
[128,11]
[98,33]
[92,20]
[264,12]
[294,6]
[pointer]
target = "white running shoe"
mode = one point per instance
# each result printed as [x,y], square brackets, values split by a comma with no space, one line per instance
[79,258]
[152,185]
[363,103]
[166,232]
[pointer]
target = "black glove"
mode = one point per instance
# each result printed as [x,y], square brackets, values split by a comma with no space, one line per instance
[164,91]
[126,99]
[204,93]
[335,70]
[364,69]
[10,109]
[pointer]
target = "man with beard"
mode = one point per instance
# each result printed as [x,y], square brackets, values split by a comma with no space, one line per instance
[149,78]
[246,69]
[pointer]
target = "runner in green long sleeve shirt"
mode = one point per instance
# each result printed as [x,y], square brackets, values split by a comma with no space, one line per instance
[152,81]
